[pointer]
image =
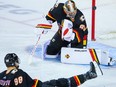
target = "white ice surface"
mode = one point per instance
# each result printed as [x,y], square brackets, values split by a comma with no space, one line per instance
[18,19]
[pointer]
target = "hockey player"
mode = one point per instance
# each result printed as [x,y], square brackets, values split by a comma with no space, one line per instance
[72,27]
[15,77]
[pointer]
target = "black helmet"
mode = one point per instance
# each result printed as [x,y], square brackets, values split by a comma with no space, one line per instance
[70,8]
[11,59]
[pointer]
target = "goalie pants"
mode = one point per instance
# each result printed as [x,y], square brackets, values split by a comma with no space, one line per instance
[56,43]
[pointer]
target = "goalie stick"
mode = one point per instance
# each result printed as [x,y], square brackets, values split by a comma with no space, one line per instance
[30,61]
[97,66]
[55,3]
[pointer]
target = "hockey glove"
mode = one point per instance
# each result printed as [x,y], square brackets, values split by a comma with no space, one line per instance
[68,35]
[67,31]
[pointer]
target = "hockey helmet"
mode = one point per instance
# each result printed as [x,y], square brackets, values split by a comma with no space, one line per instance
[70,8]
[11,59]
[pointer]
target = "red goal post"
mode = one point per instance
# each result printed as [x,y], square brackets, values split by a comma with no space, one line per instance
[93,20]
[88,7]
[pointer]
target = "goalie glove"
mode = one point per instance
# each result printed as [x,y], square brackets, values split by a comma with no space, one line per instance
[68,35]
[67,31]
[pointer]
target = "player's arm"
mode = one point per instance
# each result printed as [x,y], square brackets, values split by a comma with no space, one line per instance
[50,18]
[52,14]
[47,24]
[83,26]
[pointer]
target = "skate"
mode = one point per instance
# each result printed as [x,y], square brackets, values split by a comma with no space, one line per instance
[91,73]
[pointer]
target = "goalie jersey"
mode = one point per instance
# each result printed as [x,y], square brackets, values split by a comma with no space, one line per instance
[57,14]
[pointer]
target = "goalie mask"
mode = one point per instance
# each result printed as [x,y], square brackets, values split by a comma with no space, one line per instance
[70,8]
[11,59]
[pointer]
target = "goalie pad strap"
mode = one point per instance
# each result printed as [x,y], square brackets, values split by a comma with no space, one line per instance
[46,26]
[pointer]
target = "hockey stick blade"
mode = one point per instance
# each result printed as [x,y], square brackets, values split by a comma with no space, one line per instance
[98,68]
[34,61]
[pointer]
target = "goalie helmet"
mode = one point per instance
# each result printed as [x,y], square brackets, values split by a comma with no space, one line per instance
[11,59]
[70,8]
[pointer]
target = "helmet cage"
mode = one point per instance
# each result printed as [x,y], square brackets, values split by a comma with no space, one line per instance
[70,8]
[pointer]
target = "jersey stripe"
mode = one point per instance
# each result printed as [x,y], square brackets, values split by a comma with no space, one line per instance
[77,35]
[35,84]
[49,15]
[77,80]
[94,55]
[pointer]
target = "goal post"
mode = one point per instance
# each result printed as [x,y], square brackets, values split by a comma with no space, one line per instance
[93,20]
[88,7]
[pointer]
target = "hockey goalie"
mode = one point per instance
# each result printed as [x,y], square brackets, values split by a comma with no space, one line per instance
[71,38]
[72,27]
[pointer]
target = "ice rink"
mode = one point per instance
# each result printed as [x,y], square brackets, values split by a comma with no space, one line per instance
[18,19]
